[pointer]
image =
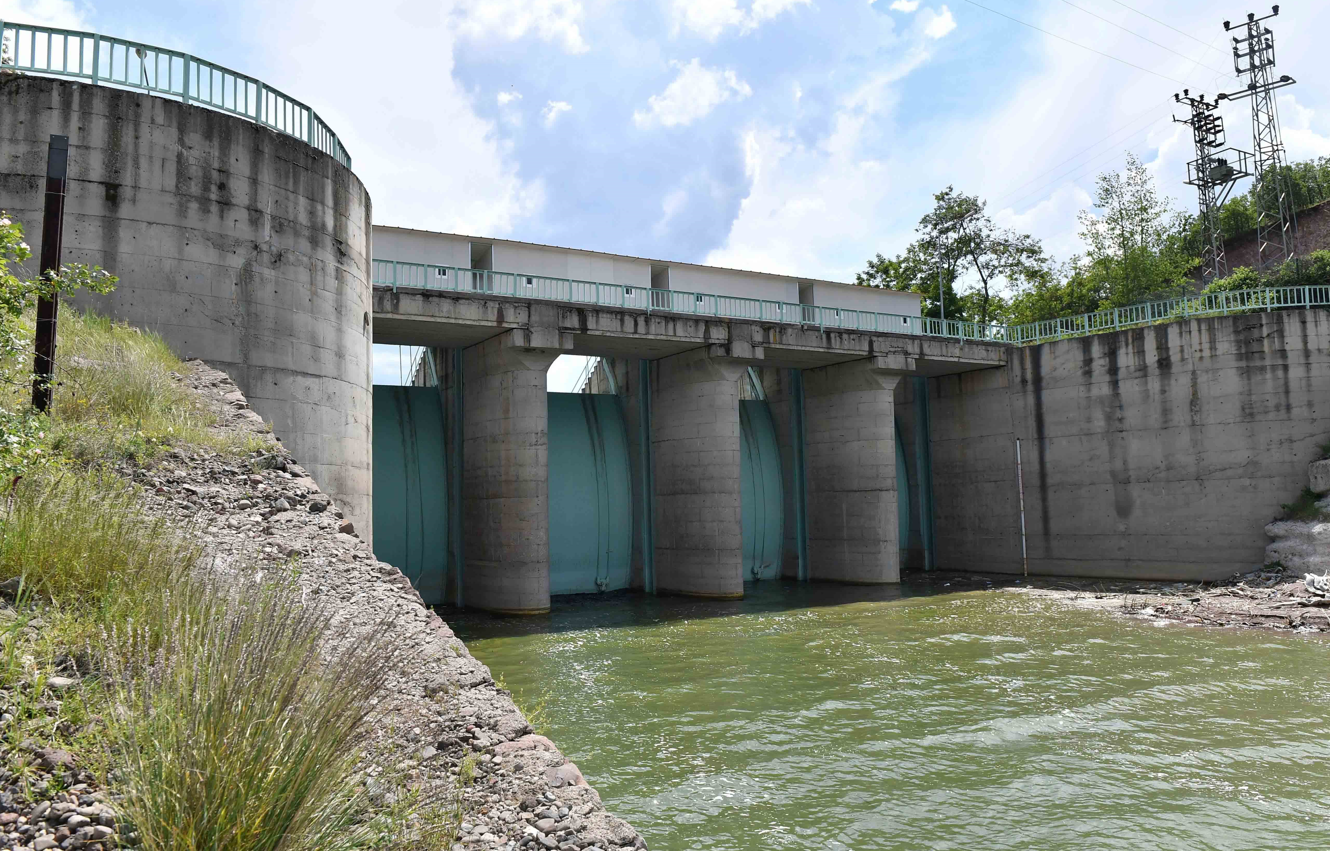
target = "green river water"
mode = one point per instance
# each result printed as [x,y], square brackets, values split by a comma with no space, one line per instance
[815,717]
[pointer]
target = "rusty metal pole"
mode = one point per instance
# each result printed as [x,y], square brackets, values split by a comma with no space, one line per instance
[53,227]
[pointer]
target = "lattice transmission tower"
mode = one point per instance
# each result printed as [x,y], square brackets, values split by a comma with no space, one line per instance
[1214,173]
[1254,58]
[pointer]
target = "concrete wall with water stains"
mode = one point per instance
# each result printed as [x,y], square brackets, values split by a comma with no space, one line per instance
[1156,453]
[238,245]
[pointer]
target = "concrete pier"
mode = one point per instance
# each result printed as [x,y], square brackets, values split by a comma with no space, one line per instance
[849,413]
[505,480]
[695,441]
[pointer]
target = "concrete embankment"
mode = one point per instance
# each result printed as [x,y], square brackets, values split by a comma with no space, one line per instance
[445,715]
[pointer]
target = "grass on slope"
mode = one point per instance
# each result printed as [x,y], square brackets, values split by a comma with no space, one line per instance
[216,708]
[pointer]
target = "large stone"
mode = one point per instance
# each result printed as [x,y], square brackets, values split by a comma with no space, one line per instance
[1319,474]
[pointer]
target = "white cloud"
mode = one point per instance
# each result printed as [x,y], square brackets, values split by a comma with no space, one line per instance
[814,208]
[553,110]
[1297,124]
[505,98]
[692,95]
[906,6]
[46,13]
[710,18]
[406,141]
[552,20]
[670,207]
[938,24]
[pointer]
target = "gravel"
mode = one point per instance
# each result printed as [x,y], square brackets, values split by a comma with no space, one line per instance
[445,705]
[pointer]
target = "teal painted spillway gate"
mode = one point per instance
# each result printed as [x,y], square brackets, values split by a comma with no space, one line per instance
[410,486]
[590,491]
[591,502]
[761,491]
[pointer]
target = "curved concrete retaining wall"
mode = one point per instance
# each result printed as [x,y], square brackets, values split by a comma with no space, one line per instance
[1154,453]
[238,245]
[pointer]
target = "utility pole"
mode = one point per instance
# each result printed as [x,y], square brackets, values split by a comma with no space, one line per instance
[1254,58]
[1214,172]
[53,227]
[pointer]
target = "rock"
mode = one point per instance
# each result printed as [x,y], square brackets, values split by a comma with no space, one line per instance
[1319,473]
[244,505]
[564,775]
[280,504]
[76,821]
[56,758]
[10,587]
[42,843]
[428,752]
[317,506]
[346,527]
[61,683]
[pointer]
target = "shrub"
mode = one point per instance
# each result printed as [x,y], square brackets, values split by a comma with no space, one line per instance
[242,732]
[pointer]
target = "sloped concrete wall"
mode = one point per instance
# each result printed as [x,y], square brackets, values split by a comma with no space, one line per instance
[238,245]
[1156,453]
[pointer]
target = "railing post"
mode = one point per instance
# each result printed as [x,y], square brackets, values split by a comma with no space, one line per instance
[184,90]
[1306,297]
[261,110]
[96,59]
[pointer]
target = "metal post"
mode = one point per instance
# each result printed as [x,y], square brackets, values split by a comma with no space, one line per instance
[96,59]
[53,221]
[1020,479]
[184,89]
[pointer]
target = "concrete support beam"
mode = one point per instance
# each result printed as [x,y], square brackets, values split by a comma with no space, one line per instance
[505,487]
[696,444]
[849,413]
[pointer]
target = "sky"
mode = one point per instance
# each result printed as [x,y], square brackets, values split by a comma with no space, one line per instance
[792,136]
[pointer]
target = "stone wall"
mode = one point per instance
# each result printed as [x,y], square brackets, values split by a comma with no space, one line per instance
[1153,453]
[237,244]
[1313,234]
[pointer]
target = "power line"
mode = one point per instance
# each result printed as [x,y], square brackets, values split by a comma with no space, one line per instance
[1130,123]
[1210,46]
[1145,38]
[1077,172]
[1077,44]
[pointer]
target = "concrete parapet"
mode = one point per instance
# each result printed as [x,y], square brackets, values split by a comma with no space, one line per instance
[849,412]
[695,440]
[505,478]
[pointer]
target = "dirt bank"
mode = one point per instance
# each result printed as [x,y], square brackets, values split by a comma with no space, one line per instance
[446,716]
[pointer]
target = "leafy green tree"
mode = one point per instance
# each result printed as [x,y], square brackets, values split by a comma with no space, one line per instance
[1136,244]
[958,239]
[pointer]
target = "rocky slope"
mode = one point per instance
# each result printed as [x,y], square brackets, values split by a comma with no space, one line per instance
[446,716]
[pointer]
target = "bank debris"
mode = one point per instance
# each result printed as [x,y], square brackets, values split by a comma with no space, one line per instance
[445,730]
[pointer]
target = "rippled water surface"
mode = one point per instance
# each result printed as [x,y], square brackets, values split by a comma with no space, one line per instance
[795,719]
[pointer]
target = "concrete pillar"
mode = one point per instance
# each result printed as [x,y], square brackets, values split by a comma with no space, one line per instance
[849,415]
[696,443]
[505,479]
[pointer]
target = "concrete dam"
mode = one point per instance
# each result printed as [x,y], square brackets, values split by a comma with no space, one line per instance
[746,426]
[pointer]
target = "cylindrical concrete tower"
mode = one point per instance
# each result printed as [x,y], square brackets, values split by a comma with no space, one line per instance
[239,245]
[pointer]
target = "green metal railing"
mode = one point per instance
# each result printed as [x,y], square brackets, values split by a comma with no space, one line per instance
[394,274]
[106,61]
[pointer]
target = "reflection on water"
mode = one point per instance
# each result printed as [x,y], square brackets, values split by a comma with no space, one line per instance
[823,717]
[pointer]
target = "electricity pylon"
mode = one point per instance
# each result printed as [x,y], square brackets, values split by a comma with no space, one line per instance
[1254,58]
[1214,173]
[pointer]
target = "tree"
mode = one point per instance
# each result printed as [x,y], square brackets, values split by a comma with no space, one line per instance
[1137,245]
[957,238]
[21,429]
